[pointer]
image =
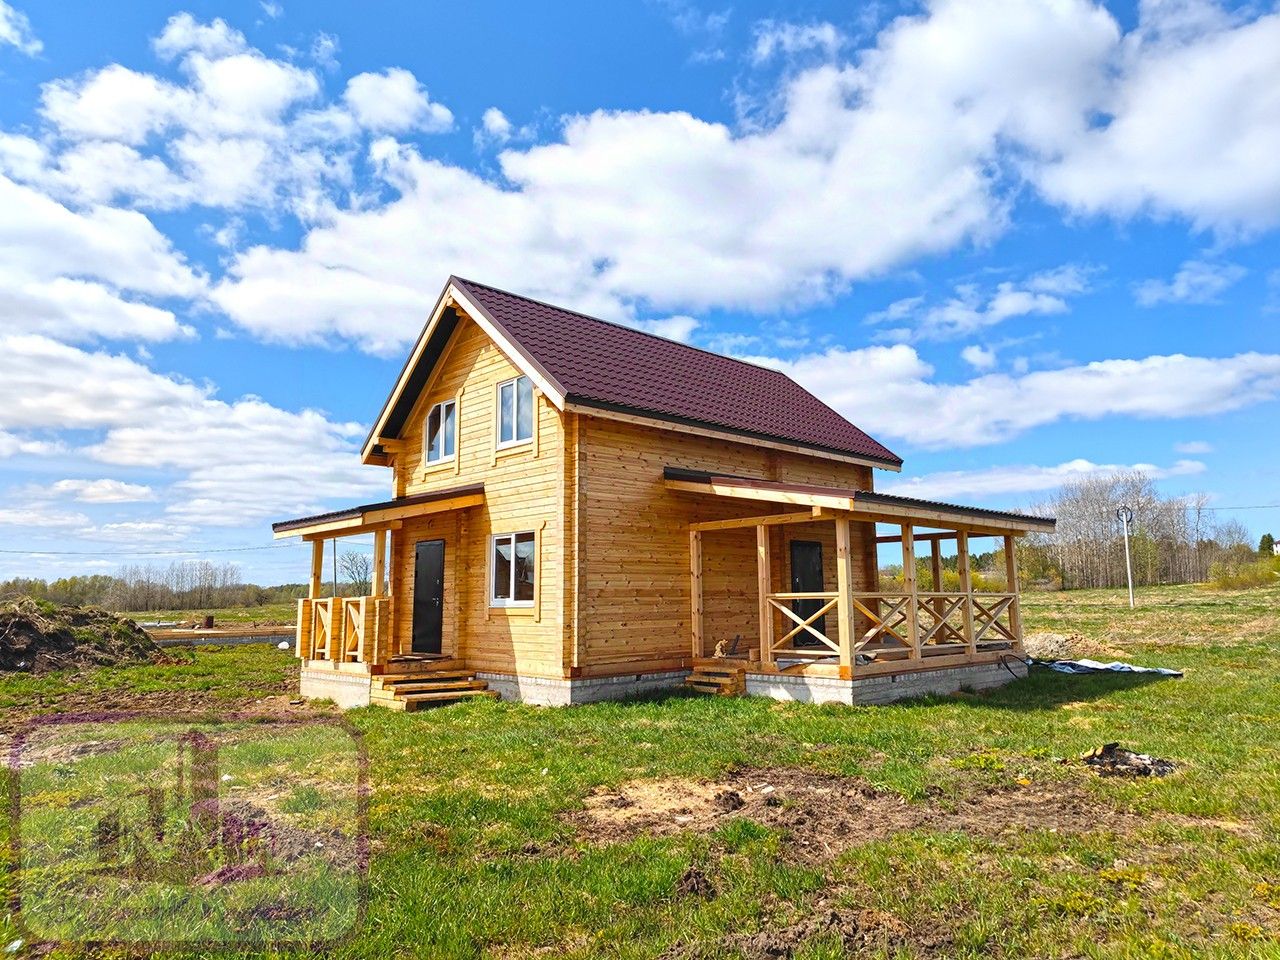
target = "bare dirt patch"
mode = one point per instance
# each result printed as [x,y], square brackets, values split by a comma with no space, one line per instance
[1064,646]
[822,815]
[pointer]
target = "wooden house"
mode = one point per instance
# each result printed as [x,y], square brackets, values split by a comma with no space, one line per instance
[580,510]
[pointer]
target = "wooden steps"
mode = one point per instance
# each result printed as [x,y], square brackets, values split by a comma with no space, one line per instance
[722,678]
[414,685]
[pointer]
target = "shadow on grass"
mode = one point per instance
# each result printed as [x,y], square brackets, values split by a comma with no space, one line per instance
[1045,689]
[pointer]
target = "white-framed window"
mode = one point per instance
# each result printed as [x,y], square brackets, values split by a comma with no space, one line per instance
[441,435]
[515,411]
[513,560]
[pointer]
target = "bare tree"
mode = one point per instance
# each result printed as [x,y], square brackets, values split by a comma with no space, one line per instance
[358,569]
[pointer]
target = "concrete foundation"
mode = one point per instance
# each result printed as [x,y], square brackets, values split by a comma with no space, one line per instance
[563,693]
[873,690]
[347,690]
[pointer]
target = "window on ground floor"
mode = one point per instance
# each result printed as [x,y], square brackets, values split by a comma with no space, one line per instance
[513,558]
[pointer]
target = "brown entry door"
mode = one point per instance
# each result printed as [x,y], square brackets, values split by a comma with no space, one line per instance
[428,596]
[806,577]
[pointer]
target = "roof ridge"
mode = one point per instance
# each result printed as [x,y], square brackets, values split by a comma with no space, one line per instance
[621,326]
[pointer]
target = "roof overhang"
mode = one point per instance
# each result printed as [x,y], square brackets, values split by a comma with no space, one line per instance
[860,504]
[426,353]
[374,516]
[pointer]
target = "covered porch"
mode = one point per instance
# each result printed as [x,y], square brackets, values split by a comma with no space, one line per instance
[851,628]
[360,633]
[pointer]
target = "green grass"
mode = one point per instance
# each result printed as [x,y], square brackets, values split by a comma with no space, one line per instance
[472,856]
[268,613]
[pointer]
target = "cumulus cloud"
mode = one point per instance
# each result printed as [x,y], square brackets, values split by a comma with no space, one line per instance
[891,392]
[972,309]
[15,31]
[1006,481]
[1196,281]
[395,102]
[238,462]
[980,358]
[103,491]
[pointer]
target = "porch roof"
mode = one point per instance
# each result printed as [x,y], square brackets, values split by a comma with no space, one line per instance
[369,515]
[861,504]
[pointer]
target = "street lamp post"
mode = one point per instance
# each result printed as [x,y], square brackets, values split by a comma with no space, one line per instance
[1125,516]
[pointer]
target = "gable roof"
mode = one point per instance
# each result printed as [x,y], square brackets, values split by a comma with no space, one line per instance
[596,364]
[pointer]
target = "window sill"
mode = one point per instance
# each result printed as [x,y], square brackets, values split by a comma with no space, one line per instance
[513,610]
[507,449]
[436,466]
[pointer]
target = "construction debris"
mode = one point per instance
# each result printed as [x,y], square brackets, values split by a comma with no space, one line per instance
[1094,666]
[1113,760]
[36,636]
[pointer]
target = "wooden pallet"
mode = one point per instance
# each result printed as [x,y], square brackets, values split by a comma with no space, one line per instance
[413,687]
[723,678]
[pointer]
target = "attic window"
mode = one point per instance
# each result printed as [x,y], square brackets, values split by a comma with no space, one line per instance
[442,431]
[515,411]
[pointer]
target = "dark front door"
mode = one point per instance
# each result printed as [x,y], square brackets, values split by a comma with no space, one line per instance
[806,577]
[428,596]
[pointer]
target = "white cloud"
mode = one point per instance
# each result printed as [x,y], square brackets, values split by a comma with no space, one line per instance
[45,518]
[238,462]
[103,491]
[15,31]
[1189,105]
[774,38]
[673,328]
[972,309]
[324,50]
[1197,281]
[395,102]
[496,124]
[271,9]
[11,444]
[980,358]
[1022,478]
[184,34]
[1193,447]
[890,392]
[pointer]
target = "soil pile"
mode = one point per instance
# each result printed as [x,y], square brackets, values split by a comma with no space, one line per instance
[1063,646]
[1113,760]
[36,636]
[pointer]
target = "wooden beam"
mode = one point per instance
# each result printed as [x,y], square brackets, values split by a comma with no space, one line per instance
[911,590]
[379,561]
[764,583]
[920,537]
[966,588]
[369,521]
[844,600]
[935,565]
[317,568]
[1011,585]
[695,591]
[739,523]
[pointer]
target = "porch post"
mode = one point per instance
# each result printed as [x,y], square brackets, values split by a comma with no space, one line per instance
[1011,584]
[910,588]
[764,578]
[966,588]
[379,560]
[935,566]
[317,568]
[844,602]
[695,591]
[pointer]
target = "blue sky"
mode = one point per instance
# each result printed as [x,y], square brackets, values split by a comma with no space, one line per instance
[1018,242]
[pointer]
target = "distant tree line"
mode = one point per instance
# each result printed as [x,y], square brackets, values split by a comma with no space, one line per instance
[198,585]
[1171,539]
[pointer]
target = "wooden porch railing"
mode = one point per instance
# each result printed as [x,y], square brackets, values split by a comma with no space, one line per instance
[345,629]
[970,622]
[803,625]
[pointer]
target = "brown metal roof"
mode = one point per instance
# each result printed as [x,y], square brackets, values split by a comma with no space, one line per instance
[614,367]
[868,497]
[351,513]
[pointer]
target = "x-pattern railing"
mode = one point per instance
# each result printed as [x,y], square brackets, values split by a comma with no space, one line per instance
[782,602]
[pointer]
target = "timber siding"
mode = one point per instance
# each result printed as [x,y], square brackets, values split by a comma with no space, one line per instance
[633,579]
[523,490]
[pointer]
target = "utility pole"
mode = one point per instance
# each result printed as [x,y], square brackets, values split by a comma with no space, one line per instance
[1125,516]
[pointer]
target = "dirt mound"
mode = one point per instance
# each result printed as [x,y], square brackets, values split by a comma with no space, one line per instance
[1063,646]
[36,636]
[1113,760]
[823,814]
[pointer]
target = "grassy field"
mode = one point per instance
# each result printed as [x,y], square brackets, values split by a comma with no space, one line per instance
[946,827]
[270,613]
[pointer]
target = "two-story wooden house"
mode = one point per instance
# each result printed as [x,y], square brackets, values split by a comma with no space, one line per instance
[581,510]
